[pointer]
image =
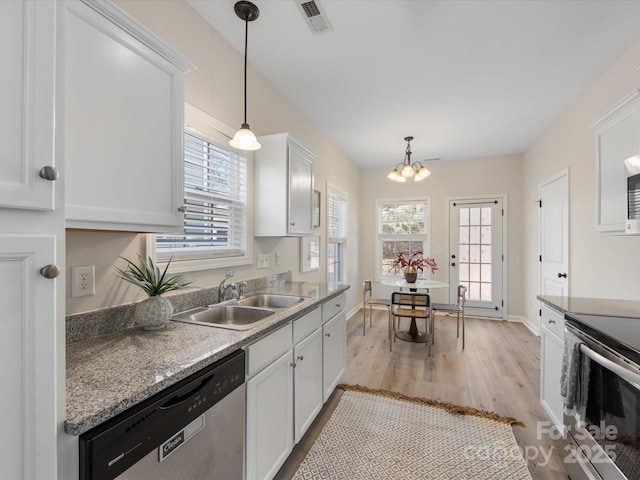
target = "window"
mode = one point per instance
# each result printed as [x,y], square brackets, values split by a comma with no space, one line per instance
[216,213]
[337,236]
[402,226]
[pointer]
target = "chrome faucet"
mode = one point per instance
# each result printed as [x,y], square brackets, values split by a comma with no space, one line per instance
[241,289]
[223,287]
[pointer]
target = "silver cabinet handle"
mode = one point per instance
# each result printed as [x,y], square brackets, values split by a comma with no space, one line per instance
[292,364]
[49,173]
[50,271]
[327,334]
[552,321]
[301,358]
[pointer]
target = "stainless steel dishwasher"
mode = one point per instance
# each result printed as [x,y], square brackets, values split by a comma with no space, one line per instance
[193,430]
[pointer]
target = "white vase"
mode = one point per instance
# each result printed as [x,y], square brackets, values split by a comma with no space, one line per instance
[153,313]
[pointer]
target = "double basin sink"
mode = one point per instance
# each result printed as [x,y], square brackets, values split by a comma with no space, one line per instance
[239,314]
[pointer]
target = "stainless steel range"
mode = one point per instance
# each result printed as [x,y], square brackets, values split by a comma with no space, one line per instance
[604,427]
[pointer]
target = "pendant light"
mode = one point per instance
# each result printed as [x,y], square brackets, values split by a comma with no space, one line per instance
[406,169]
[244,139]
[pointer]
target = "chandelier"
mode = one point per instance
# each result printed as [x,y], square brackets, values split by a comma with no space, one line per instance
[406,169]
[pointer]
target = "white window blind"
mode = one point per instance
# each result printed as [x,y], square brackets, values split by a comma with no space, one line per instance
[215,201]
[336,217]
[336,237]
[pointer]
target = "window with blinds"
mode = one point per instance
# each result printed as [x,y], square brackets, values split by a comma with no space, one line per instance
[402,227]
[336,236]
[215,202]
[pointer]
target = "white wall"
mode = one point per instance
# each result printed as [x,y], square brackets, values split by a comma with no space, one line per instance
[599,265]
[484,176]
[215,86]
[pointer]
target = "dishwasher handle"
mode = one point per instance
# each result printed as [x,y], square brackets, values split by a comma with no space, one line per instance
[179,398]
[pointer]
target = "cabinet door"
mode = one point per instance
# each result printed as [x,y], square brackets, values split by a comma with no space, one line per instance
[300,206]
[27,353]
[552,350]
[307,382]
[269,419]
[124,114]
[334,360]
[27,96]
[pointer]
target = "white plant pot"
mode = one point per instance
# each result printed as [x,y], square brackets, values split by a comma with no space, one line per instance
[153,313]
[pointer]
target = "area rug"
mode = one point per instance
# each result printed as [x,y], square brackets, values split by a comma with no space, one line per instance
[379,434]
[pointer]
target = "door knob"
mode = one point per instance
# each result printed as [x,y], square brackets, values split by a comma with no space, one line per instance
[562,275]
[49,173]
[50,271]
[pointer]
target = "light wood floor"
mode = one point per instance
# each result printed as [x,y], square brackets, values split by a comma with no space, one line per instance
[499,370]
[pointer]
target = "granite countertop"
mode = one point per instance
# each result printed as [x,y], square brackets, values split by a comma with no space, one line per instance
[593,306]
[110,373]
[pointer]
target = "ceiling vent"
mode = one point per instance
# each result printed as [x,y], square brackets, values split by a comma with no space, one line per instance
[315,16]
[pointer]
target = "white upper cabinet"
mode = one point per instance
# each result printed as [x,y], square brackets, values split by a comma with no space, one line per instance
[283,187]
[617,134]
[124,123]
[27,97]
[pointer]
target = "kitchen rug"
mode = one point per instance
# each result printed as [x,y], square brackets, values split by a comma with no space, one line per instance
[379,434]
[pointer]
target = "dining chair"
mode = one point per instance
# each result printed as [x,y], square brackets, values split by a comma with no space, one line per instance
[369,301]
[413,305]
[457,308]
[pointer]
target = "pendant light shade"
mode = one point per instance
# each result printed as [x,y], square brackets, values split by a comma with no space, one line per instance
[406,169]
[244,139]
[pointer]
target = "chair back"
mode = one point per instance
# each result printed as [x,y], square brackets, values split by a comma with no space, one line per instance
[411,299]
[462,295]
[366,288]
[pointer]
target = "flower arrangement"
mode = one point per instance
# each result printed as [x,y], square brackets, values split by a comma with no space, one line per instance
[149,278]
[417,261]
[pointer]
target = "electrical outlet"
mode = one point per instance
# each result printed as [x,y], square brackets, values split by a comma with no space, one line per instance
[83,281]
[263,260]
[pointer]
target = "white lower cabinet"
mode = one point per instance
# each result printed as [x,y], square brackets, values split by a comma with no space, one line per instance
[308,397]
[334,348]
[552,351]
[284,394]
[269,419]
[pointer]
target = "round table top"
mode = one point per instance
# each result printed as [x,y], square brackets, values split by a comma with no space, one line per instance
[420,283]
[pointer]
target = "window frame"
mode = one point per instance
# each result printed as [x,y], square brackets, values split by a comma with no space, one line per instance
[380,237]
[204,125]
[342,241]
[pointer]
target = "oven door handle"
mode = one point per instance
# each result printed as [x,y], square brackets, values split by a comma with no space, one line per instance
[622,372]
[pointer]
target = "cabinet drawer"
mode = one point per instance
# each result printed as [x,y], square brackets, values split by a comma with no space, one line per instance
[306,324]
[334,306]
[267,349]
[553,321]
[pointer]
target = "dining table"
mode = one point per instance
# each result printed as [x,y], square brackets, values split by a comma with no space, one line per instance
[413,334]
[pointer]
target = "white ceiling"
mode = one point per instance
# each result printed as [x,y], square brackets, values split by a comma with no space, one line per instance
[467,79]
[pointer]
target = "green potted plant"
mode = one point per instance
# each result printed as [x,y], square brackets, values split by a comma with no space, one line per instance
[155,311]
[415,263]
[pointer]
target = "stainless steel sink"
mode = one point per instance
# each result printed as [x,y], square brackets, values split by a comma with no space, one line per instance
[271,300]
[232,317]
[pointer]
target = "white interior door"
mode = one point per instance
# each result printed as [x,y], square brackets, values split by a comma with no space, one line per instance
[476,256]
[554,235]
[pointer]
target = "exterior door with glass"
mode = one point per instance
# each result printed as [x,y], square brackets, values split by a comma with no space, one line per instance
[475,254]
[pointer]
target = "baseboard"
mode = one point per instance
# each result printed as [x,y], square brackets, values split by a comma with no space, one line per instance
[524,320]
